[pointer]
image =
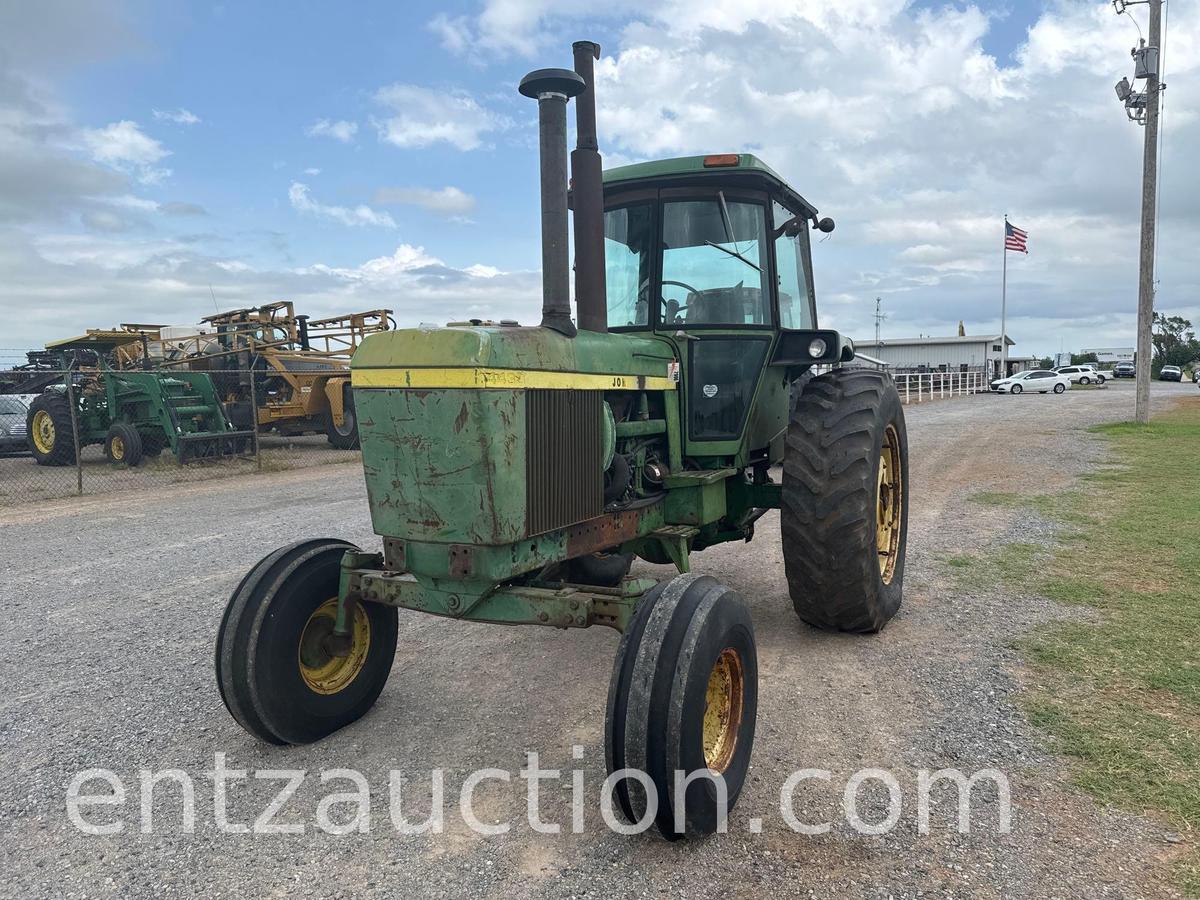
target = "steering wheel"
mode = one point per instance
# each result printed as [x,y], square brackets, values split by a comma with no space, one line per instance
[682,284]
[672,314]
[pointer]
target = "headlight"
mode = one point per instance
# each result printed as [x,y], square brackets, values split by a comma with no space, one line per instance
[817,348]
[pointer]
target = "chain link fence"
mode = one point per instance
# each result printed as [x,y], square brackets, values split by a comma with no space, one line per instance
[78,432]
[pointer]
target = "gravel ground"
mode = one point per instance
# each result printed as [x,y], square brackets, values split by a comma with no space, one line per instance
[23,481]
[114,604]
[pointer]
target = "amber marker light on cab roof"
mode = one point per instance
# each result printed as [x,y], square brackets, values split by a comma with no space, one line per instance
[721,159]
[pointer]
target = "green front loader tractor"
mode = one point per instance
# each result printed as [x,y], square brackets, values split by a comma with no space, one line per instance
[514,473]
[134,414]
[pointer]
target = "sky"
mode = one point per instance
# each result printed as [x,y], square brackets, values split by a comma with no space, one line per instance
[163,160]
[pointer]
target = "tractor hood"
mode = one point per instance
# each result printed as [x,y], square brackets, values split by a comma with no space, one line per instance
[504,356]
[488,435]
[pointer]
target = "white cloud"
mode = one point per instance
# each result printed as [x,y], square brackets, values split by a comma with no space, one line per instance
[421,116]
[448,201]
[124,146]
[100,280]
[179,116]
[123,142]
[358,215]
[312,170]
[341,130]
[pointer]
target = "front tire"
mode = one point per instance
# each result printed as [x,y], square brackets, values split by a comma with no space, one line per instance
[1085,380]
[683,698]
[1015,389]
[274,669]
[844,518]
[123,445]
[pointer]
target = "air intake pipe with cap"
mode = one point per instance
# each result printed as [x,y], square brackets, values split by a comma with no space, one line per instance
[552,88]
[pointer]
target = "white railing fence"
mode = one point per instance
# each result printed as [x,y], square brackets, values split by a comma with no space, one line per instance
[917,387]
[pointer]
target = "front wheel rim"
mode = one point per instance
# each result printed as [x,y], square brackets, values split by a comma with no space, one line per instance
[724,701]
[323,672]
[117,447]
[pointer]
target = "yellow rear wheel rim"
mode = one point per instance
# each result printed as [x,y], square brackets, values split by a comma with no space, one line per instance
[723,703]
[117,447]
[889,504]
[43,431]
[323,672]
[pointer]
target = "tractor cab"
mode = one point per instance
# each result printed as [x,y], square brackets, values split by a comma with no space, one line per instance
[711,254]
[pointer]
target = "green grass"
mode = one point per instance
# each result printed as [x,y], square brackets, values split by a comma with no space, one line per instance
[1121,694]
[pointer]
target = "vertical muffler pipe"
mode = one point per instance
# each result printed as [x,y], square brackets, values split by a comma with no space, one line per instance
[552,88]
[587,195]
[302,324]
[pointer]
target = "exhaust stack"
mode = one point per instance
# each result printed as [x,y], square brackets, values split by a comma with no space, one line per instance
[587,194]
[552,88]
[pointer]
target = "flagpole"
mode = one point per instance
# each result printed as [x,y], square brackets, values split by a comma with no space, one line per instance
[1004,303]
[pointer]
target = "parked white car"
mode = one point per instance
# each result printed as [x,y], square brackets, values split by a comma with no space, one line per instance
[1041,380]
[1082,374]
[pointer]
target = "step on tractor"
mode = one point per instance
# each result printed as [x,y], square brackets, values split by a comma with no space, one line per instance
[514,473]
[298,367]
[133,413]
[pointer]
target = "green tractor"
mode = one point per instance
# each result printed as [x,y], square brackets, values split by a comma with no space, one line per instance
[134,414]
[514,472]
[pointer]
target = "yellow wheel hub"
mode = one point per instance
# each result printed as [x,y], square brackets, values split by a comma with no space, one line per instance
[323,672]
[723,710]
[117,447]
[43,431]
[889,504]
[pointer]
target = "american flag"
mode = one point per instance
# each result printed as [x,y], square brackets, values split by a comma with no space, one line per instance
[1015,238]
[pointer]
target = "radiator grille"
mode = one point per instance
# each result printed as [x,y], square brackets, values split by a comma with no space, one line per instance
[564,481]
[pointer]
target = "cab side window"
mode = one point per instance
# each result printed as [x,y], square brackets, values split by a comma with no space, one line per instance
[791,270]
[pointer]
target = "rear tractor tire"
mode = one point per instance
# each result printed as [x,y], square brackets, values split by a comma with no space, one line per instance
[123,445]
[602,569]
[275,669]
[50,430]
[845,501]
[344,436]
[683,699]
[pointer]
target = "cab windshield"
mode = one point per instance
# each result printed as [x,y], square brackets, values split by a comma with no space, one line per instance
[714,269]
[714,263]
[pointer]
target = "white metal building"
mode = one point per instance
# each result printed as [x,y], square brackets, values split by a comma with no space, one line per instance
[965,353]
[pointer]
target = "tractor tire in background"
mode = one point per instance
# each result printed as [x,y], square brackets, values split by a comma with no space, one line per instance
[123,445]
[683,697]
[844,517]
[602,569]
[274,665]
[345,436]
[50,432]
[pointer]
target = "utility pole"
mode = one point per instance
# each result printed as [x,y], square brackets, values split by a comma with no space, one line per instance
[1149,216]
[879,317]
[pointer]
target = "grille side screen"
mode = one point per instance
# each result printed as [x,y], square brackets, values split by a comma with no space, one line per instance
[564,479]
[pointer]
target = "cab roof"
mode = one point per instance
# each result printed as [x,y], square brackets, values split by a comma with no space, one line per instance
[738,168]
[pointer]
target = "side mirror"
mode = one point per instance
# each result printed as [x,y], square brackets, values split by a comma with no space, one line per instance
[826,225]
